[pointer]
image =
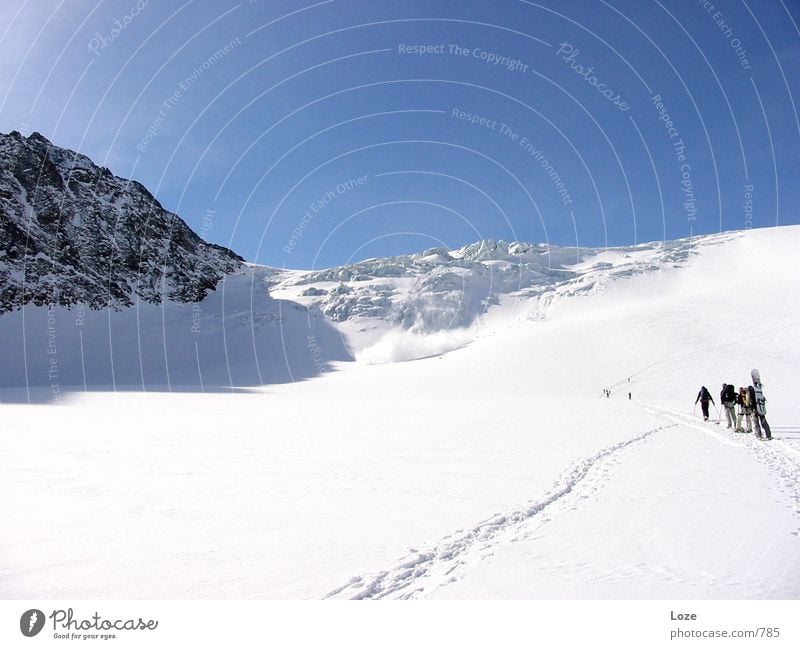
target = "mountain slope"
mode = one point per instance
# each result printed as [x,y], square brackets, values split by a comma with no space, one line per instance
[71,232]
[75,239]
[375,472]
[441,289]
[264,325]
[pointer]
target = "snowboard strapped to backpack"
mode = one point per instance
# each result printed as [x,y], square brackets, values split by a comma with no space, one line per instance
[757,397]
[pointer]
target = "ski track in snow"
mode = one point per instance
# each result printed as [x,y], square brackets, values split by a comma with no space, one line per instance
[784,462]
[792,451]
[425,571]
[690,421]
[779,457]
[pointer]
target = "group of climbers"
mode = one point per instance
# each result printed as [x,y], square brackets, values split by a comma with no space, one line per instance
[750,402]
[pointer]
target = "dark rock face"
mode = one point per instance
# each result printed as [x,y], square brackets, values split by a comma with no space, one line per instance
[72,232]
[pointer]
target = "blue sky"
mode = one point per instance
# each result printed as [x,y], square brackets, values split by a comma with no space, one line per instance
[306,134]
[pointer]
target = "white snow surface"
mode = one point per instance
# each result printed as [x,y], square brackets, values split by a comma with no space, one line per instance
[495,470]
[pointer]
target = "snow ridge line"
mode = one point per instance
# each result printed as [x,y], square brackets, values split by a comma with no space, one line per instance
[404,578]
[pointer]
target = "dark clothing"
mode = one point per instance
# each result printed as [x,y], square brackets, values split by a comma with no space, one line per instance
[727,397]
[761,424]
[704,396]
[728,394]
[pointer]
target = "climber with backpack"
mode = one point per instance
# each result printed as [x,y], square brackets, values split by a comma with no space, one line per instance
[745,411]
[728,399]
[704,396]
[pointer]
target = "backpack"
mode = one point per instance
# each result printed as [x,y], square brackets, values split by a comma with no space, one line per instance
[730,394]
[751,396]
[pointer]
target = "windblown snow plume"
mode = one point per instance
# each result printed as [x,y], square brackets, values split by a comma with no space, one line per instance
[405,345]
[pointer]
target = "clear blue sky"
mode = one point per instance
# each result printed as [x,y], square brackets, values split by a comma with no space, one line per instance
[240,116]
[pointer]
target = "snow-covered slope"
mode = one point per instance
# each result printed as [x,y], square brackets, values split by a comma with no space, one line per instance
[495,470]
[389,308]
[238,336]
[265,325]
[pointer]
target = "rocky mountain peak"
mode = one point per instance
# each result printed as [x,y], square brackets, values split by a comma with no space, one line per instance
[72,232]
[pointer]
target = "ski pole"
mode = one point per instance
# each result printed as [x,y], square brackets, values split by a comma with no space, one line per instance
[719,417]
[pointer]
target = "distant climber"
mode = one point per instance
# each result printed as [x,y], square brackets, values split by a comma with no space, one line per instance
[728,399]
[704,396]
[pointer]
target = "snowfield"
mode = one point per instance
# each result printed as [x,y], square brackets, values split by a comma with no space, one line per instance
[495,470]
